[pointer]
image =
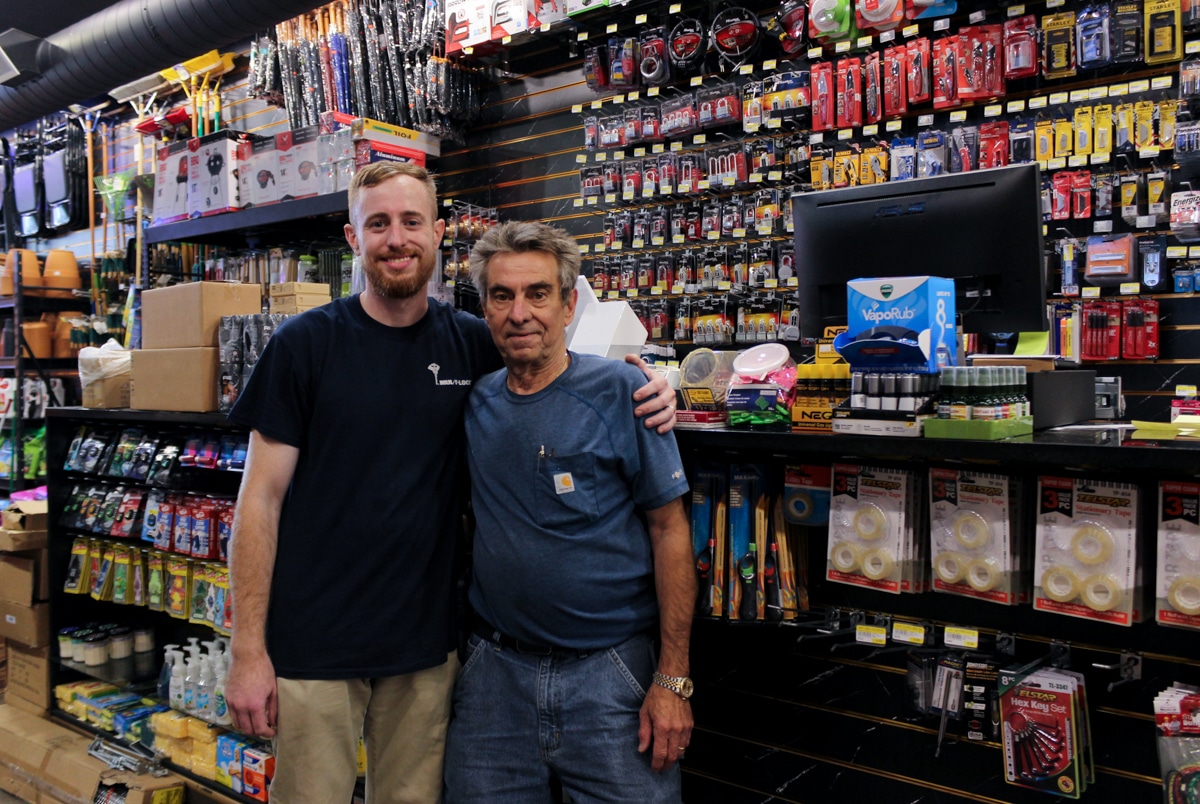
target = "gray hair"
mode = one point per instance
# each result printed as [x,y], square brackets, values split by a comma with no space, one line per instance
[519,237]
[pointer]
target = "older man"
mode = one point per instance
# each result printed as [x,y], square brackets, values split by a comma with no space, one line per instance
[563,680]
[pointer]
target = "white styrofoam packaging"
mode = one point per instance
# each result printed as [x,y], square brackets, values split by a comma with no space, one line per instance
[260,176]
[1177,586]
[609,329]
[297,154]
[868,546]
[214,162]
[170,183]
[970,535]
[1085,557]
[894,322]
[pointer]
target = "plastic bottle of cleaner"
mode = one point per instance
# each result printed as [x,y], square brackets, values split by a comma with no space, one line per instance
[191,677]
[164,675]
[177,682]
[220,708]
[204,686]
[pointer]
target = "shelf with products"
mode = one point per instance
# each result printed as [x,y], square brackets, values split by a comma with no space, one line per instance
[326,212]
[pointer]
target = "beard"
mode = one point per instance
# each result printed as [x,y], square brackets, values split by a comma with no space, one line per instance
[388,286]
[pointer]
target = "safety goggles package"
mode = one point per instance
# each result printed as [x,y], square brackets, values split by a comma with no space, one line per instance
[1086,550]
[719,105]
[867,527]
[972,542]
[1177,585]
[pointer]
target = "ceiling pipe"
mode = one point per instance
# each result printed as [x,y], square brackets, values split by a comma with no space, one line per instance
[132,39]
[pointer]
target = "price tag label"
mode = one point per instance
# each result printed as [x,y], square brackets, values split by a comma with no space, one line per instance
[887,36]
[578,202]
[977,17]
[582,36]
[610,198]
[815,52]
[640,19]
[962,638]
[699,139]
[842,47]
[1130,288]
[613,295]
[870,635]
[677,289]
[612,28]
[755,178]
[507,40]
[1193,252]
[1102,227]
[676,147]
[652,92]
[893,125]
[675,8]
[942,24]
[993,110]
[750,128]
[1097,93]
[627,195]
[770,283]
[909,31]
[631,293]
[600,248]
[647,192]
[863,42]
[1057,98]
[703,184]
[639,243]
[1056,164]
[635,95]
[1079,95]
[745,69]
[593,201]
[668,188]
[713,236]
[1139,86]
[1192,48]
[1016,11]
[1176,252]
[816,138]
[1038,102]
[1055,3]
[696,80]
[1090,293]
[870,131]
[657,148]
[639,152]
[601,157]
[775,175]
[677,239]
[685,186]
[793,282]
[581,159]
[657,240]
[1042,165]
[1146,221]
[656,290]
[723,285]
[577,108]
[925,120]
[739,232]
[596,104]
[1117,90]
[584,249]
[908,634]
[769,64]
[1100,159]
[845,134]
[1185,390]
[619,156]
[958,116]
[1077,161]
[1162,82]
[774,122]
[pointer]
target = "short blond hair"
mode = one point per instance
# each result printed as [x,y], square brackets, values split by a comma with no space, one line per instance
[377,173]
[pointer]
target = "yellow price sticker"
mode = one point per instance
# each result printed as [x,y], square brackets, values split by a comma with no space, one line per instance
[962,638]
[870,634]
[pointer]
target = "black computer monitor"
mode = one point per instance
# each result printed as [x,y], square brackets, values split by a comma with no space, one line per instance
[983,229]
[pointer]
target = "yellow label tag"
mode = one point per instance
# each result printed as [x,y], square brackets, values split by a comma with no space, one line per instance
[864,41]
[640,19]
[958,116]
[842,47]
[1130,288]
[602,157]
[961,637]
[696,80]
[1090,293]
[1176,252]
[870,131]
[908,633]
[1016,11]
[769,64]
[581,36]
[1057,98]
[910,31]
[577,108]
[893,125]
[870,634]
[1037,103]
[699,139]
[1185,390]
[993,110]
[815,52]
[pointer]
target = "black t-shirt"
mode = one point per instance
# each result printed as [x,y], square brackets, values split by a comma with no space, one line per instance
[363,581]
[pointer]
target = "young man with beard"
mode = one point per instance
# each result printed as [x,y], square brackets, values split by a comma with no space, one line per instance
[343,546]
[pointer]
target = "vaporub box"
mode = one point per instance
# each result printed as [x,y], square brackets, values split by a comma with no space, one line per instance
[899,322]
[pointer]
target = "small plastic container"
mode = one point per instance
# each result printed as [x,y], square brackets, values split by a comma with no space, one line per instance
[120,643]
[95,650]
[143,640]
[1184,280]
[64,641]
[77,643]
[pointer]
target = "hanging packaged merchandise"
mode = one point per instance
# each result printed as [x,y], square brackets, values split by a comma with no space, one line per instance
[785,262]
[1046,732]
[845,165]
[1185,216]
[1093,42]
[1189,82]
[731,216]
[1021,47]
[595,68]
[1143,125]
[929,9]
[623,54]
[631,179]
[612,132]
[600,279]
[686,45]
[879,15]
[895,95]
[1110,260]
[709,321]
[904,158]
[766,211]
[993,144]
[1081,195]
[654,65]
[591,133]
[1021,141]
[870,532]
[973,546]
[714,269]
[1133,196]
[1124,125]
[873,164]
[1058,45]
[872,89]
[1177,583]
[1139,325]
[1060,206]
[1102,184]
[664,271]
[787,26]
[1102,130]
[1125,22]
[632,120]
[1164,35]
[727,166]
[611,173]
[820,168]
[830,21]
[650,187]
[591,182]
[946,60]
[824,90]
[964,149]
[719,105]
[710,219]
[760,157]
[1158,195]
[917,74]
[980,74]
[679,117]
[735,36]
[1064,137]
[641,228]
[931,154]
[652,123]
[1168,111]
[752,106]
[849,92]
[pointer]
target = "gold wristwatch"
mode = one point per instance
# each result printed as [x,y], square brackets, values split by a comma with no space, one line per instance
[680,685]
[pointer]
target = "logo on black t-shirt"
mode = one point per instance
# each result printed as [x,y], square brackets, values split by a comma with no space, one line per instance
[435,368]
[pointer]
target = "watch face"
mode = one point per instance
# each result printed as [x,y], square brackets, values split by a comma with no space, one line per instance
[686,691]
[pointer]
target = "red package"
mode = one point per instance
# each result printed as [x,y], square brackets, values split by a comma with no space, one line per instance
[872,89]
[946,59]
[993,144]
[1081,194]
[1021,52]
[917,77]
[980,68]
[895,96]
[823,95]
[849,92]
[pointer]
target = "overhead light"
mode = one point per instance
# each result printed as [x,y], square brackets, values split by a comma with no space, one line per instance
[23,56]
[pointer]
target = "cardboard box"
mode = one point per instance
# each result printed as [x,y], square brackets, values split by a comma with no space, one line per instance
[27,515]
[260,174]
[25,577]
[175,379]
[296,155]
[293,288]
[16,540]
[189,315]
[107,392]
[258,769]
[900,323]
[29,676]
[303,299]
[214,162]
[170,184]
[29,625]
[129,788]
[292,309]
[369,151]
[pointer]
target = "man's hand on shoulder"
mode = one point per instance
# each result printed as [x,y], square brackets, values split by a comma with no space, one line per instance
[666,726]
[656,397]
[251,694]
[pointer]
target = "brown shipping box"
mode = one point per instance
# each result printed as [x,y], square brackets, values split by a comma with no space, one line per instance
[119,785]
[27,515]
[175,379]
[25,577]
[14,540]
[29,625]
[107,392]
[188,315]
[29,677]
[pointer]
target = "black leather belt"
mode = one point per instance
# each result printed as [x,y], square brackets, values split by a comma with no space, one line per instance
[485,630]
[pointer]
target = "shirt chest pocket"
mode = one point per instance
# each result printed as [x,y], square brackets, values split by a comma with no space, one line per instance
[565,492]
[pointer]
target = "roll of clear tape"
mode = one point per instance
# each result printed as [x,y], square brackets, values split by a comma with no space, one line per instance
[1101,592]
[845,557]
[983,574]
[950,567]
[869,522]
[799,505]
[1184,594]
[1091,544]
[878,564]
[1060,583]
[971,530]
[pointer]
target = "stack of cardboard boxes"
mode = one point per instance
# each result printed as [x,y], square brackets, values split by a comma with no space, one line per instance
[289,298]
[24,614]
[177,366]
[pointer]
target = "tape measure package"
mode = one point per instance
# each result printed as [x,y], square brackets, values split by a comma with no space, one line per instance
[806,494]
[1177,585]
[709,522]
[971,539]
[870,535]
[1086,550]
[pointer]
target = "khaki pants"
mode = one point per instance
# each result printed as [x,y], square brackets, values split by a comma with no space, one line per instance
[402,720]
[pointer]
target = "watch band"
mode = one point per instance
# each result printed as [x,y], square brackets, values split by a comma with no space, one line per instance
[680,685]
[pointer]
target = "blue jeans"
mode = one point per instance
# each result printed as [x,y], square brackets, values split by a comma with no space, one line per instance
[519,719]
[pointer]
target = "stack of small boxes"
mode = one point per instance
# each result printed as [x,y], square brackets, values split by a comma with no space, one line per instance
[289,298]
